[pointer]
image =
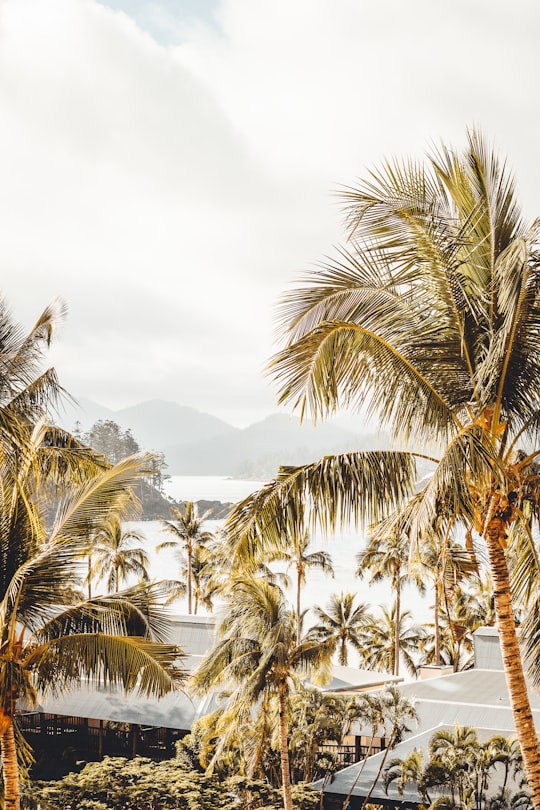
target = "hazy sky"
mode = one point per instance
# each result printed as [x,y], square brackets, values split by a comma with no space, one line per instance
[168,168]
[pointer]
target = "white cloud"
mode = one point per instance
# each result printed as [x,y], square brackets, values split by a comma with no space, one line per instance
[170,193]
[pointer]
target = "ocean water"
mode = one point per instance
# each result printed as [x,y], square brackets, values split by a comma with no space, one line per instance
[319,587]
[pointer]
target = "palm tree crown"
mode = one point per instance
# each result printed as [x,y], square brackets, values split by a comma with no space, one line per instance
[54,495]
[113,557]
[257,656]
[342,624]
[187,527]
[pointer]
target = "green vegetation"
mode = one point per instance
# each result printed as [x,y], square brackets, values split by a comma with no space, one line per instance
[140,784]
[186,526]
[460,771]
[256,657]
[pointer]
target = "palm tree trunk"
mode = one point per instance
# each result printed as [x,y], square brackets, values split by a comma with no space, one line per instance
[298,589]
[380,769]
[511,655]
[437,629]
[89,576]
[189,582]
[284,748]
[397,625]
[10,767]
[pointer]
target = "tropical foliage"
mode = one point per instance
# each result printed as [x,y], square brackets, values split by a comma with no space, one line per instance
[114,558]
[256,659]
[140,784]
[429,318]
[55,494]
[342,625]
[186,525]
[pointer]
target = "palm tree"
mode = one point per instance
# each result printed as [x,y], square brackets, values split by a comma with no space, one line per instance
[256,658]
[296,553]
[54,495]
[342,624]
[396,712]
[403,771]
[389,557]
[187,527]
[114,560]
[49,640]
[379,649]
[447,564]
[429,319]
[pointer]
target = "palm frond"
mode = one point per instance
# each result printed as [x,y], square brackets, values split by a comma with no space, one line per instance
[354,487]
[133,663]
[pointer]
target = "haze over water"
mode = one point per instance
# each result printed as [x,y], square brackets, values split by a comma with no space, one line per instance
[342,547]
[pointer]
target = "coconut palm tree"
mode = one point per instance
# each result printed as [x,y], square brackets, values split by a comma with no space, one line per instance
[342,624]
[298,557]
[428,319]
[379,648]
[187,527]
[446,564]
[49,639]
[114,559]
[54,495]
[257,656]
[389,557]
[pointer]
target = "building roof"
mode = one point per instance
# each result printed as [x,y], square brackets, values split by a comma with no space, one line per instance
[352,679]
[475,697]
[194,634]
[357,779]
[176,710]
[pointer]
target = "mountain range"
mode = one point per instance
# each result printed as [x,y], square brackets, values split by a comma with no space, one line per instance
[197,443]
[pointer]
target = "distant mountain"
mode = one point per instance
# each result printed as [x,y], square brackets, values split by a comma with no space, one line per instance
[257,451]
[197,443]
[154,424]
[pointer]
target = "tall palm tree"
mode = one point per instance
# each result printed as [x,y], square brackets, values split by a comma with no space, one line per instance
[297,554]
[54,494]
[114,559]
[342,624]
[380,650]
[48,638]
[187,526]
[388,557]
[257,656]
[429,319]
[447,564]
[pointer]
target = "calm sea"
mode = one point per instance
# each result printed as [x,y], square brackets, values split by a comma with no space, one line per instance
[319,587]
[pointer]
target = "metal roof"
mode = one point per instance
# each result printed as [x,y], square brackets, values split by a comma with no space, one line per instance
[176,710]
[357,779]
[352,679]
[475,697]
[194,634]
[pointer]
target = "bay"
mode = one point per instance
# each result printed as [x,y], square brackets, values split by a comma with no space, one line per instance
[343,548]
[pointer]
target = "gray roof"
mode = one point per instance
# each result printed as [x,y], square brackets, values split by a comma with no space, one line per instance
[176,710]
[194,634]
[353,679]
[487,650]
[475,697]
[359,778]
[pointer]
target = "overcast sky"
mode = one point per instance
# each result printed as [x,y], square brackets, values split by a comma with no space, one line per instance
[169,167]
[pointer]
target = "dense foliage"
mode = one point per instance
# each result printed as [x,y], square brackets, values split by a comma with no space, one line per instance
[141,784]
